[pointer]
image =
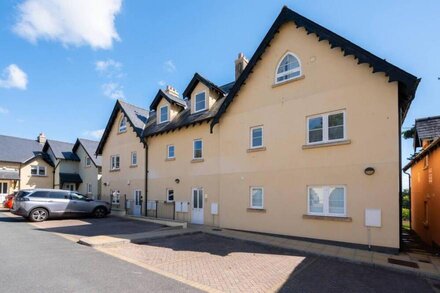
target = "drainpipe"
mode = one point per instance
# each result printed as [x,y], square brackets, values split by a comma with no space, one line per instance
[400,176]
[409,196]
[19,176]
[54,170]
[146,177]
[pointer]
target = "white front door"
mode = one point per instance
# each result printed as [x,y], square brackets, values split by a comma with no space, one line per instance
[3,191]
[197,206]
[137,202]
[70,186]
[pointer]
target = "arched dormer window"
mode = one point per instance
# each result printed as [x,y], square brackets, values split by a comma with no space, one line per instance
[289,68]
[123,124]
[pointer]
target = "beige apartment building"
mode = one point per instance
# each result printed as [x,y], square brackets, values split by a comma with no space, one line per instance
[290,147]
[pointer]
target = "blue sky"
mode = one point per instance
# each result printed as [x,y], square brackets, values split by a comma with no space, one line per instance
[64,80]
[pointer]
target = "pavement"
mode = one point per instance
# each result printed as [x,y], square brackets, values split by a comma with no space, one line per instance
[36,261]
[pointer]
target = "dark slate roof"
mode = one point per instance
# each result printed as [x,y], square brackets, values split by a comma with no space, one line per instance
[426,128]
[9,174]
[170,98]
[198,78]
[61,150]
[20,150]
[407,82]
[90,147]
[70,178]
[184,117]
[432,147]
[137,117]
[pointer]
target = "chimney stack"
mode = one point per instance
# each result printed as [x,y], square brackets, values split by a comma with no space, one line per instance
[240,65]
[171,91]
[41,138]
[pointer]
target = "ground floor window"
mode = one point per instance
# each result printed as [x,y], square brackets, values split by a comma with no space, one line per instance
[4,187]
[170,195]
[257,197]
[327,200]
[115,197]
[89,188]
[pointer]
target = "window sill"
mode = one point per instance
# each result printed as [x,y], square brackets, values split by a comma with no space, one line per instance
[133,166]
[197,160]
[114,170]
[328,218]
[288,81]
[170,159]
[122,132]
[38,175]
[326,144]
[255,210]
[259,149]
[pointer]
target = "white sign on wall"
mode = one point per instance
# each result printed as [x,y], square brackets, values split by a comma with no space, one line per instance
[181,206]
[373,218]
[214,208]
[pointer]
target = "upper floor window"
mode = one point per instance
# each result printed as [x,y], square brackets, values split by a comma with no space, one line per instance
[163,114]
[134,159]
[88,161]
[170,152]
[38,171]
[114,162]
[200,102]
[198,149]
[289,68]
[123,124]
[257,137]
[326,127]
[326,200]
[89,188]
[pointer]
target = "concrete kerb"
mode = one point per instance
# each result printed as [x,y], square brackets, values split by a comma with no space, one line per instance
[165,222]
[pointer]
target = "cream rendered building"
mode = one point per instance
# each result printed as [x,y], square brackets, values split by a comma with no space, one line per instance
[89,168]
[305,142]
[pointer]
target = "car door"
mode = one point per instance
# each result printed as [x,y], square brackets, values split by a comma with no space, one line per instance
[79,204]
[57,202]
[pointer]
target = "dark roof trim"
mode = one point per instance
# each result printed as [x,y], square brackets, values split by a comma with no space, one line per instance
[435,144]
[76,146]
[198,78]
[45,157]
[110,122]
[172,100]
[407,82]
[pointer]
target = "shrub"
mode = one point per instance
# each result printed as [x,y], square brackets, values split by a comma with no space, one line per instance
[405,214]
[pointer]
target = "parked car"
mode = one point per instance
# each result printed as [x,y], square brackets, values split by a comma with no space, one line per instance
[9,201]
[40,204]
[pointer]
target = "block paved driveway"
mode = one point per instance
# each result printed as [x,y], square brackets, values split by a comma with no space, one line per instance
[230,265]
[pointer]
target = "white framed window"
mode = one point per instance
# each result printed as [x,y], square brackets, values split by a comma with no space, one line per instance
[115,162]
[257,197]
[116,197]
[88,161]
[170,152]
[164,114]
[326,127]
[170,195]
[4,188]
[200,102]
[89,188]
[197,149]
[327,201]
[256,140]
[123,124]
[288,68]
[38,170]
[133,159]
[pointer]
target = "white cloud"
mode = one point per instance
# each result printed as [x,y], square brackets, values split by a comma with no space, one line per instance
[113,90]
[109,67]
[3,110]
[169,66]
[71,22]
[96,134]
[13,77]
[161,82]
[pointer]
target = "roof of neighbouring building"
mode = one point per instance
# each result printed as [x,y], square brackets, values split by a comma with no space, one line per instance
[9,175]
[426,128]
[136,116]
[70,178]
[61,150]
[20,150]
[433,146]
[90,147]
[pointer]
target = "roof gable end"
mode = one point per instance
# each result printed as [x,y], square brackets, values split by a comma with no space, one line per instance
[198,78]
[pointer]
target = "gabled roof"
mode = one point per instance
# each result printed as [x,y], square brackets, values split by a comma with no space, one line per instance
[184,118]
[90,147]
[20,150]
[198,78]
[407,82]
[433,146]
[170,98]
[61,150]
[136,116]
[426,128]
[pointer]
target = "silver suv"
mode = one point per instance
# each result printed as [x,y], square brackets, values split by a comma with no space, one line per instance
[40,204]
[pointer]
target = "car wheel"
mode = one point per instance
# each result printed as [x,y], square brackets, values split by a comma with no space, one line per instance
[100,212]
[38,215]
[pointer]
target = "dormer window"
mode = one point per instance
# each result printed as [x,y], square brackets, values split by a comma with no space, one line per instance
[200,102]
[289,68]
[164,114]
[123,125]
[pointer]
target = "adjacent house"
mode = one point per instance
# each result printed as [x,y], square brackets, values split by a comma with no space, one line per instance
[290,147]
[424,182]
[89,169]
[124,158]
[23,164]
